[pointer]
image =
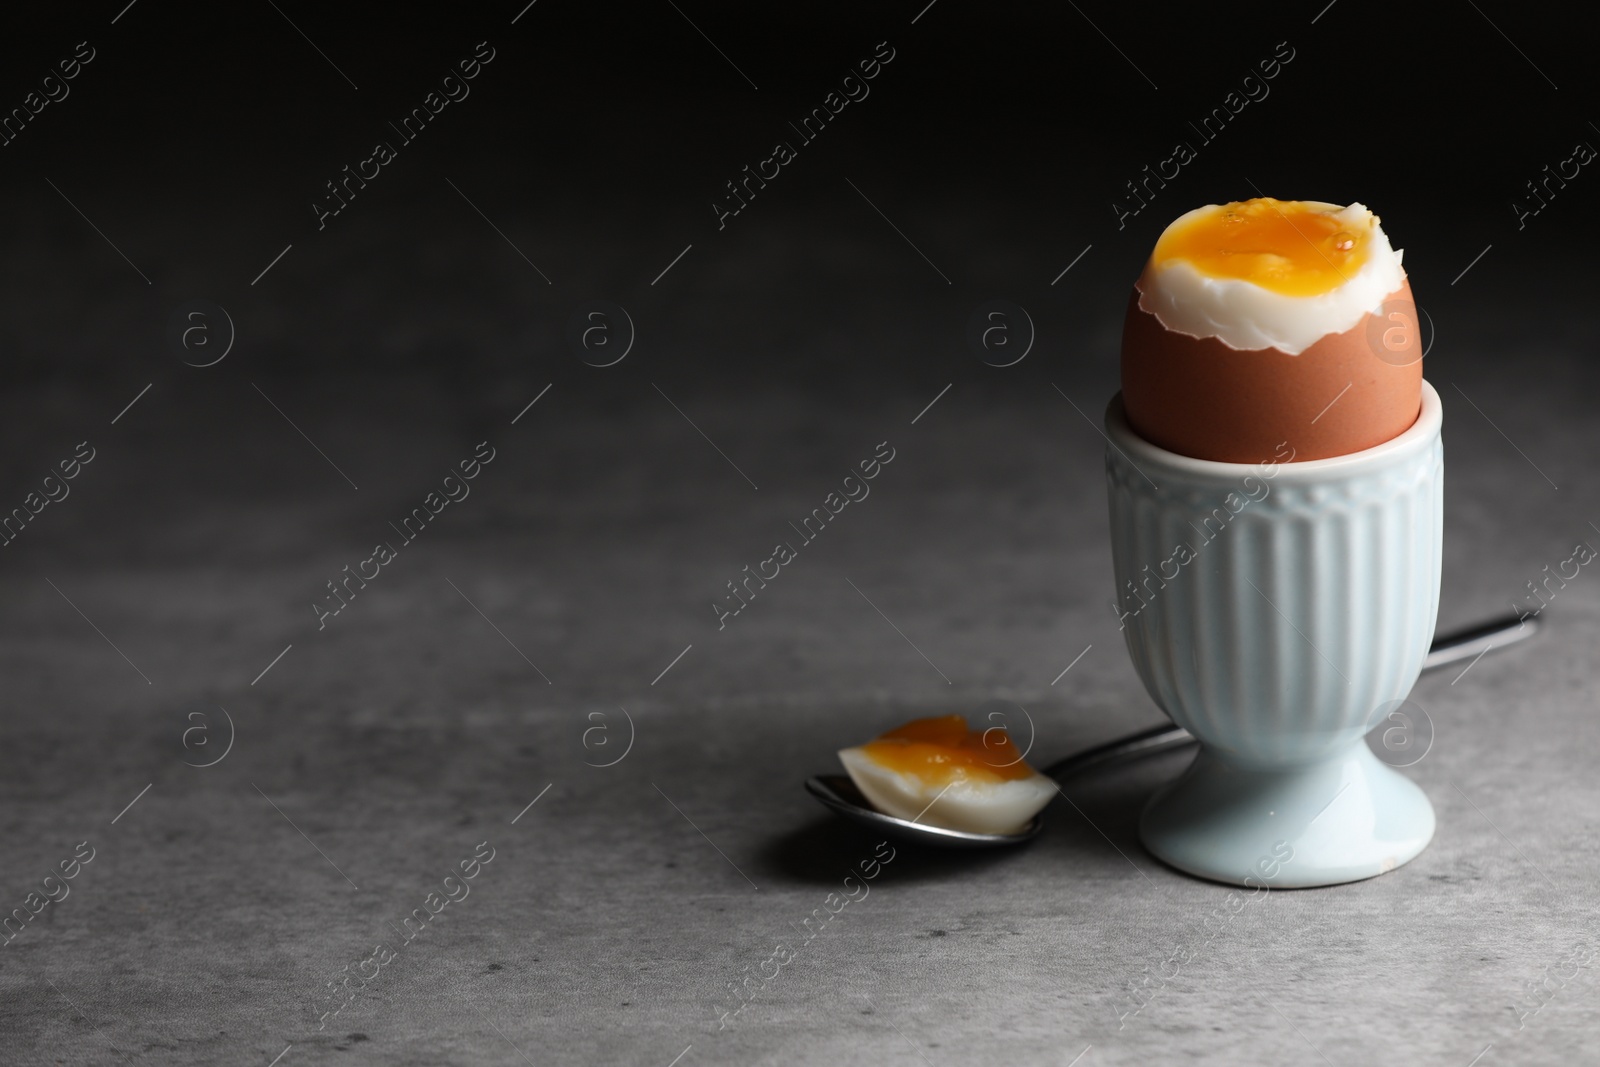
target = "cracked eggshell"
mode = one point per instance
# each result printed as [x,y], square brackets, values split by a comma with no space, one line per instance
[1199,397]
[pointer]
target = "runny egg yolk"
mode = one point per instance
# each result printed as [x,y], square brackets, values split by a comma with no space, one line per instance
[1285,246]
[943,749]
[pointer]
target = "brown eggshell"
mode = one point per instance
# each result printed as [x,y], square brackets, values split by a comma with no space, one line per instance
[1198,397]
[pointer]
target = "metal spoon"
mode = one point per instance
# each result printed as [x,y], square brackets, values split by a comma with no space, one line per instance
[838,792]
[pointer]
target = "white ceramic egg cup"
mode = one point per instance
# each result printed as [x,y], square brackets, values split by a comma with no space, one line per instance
[1300,615]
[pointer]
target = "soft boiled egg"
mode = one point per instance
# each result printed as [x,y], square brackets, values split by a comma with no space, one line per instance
[938,772]
[1266,322]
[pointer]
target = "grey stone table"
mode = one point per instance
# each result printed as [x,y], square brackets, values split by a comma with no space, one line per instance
[525,729]
[562,612]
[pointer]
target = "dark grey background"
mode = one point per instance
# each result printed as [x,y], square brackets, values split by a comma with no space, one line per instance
[797,338]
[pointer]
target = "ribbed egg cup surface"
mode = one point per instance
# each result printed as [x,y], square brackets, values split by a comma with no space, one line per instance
[1278,611]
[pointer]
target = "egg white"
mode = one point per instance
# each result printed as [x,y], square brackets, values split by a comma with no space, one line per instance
[1243,315]
[974,806]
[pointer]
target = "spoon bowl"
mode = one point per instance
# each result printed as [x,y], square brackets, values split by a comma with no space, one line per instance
[839,793]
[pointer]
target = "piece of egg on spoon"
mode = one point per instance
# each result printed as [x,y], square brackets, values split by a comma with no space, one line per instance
[1266,322]
[938,772]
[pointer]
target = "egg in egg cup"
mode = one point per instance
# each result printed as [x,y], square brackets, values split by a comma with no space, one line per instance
[1277,568]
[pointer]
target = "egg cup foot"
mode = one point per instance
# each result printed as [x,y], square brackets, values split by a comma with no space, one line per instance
[1337,820]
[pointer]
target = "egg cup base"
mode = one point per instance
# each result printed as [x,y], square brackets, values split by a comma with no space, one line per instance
[1339,820]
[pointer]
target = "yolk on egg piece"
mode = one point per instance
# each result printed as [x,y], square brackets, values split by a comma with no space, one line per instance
[942,748]
[1290,247]
[938,772]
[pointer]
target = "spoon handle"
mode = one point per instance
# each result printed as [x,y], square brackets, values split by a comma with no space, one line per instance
[1468,644]
[1451,648]
[1144,743]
